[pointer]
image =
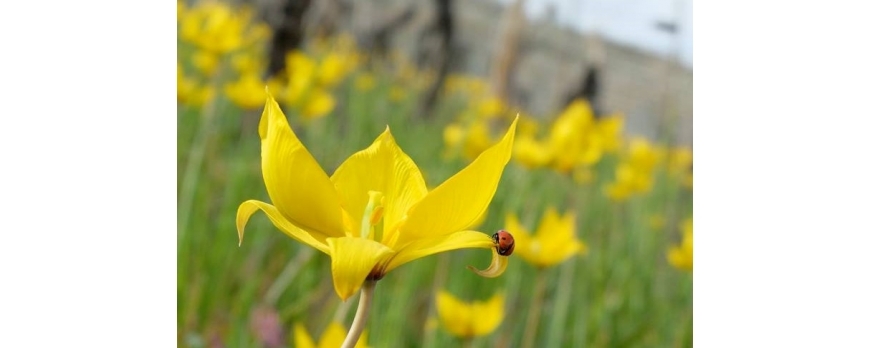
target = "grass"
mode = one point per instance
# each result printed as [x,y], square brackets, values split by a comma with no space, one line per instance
[622,293]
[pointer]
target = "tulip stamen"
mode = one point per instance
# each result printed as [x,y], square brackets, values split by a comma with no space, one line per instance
[373,215]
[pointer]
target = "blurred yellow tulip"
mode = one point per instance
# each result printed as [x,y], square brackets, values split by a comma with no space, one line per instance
[248,92]
[553,242]
[467,320]
[635,171]
[332,337]
[681,256]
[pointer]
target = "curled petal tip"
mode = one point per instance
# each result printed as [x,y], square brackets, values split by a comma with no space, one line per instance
[496,267]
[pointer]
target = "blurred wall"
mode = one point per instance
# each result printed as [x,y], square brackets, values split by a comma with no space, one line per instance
[551,61]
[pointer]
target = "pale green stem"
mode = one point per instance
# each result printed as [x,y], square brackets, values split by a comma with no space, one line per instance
[535,310]
[437,283]
[287,275]
[195,157]
[341,311]
[561,304]
[362,314]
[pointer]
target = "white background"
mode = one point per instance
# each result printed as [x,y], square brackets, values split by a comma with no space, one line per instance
[87,141]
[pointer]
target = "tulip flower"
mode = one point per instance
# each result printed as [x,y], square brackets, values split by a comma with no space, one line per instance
[375,212]
[553,243]
[681,256]
[332,337]
[469,320]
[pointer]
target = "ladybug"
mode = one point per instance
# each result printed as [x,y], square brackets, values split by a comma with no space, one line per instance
[504,242]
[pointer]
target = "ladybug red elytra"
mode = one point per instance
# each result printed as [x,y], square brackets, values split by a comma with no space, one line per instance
[504,242]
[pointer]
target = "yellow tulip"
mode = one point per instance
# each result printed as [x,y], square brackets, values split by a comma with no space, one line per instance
[374,213]
[332,337]
[553,243]
[477,139]
[318,104]
[609,130]
[365,81]
[247,92]
[490,107]
[680,160]
[634,173]
[332,69]
[206,62]
[186,87]
[681,256]
[467,320]
[573,138]
[181,10]
[530,152]
[214,27]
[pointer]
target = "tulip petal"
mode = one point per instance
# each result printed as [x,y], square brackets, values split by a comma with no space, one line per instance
[455,315]
[487,315]
[301,338]
[296,184]
[496,267]
[249,207]
[353,259]
[333,336]
[550,224]
[425,247]
[385,168]
[459,201]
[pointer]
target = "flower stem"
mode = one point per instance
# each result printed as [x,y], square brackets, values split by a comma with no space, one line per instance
[286,277]
[561,304]
[362,314]
[535,310]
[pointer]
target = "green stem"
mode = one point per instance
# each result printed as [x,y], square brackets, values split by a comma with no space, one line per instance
[286,277]
[535,310]
[562,303]
[438,283]
[362,314]
[196,154]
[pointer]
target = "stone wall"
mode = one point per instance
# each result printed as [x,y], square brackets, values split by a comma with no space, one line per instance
[551,62]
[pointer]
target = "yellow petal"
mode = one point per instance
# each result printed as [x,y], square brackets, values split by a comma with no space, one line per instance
[557,240]
[333,336]
[353,259]
[382,167]
[301,338]
[679,259]
[487,315]
[296,184]
[363,340]
[455,315]
[459,201]
[496,267]
[249,207]
[425,247]
[550,223]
